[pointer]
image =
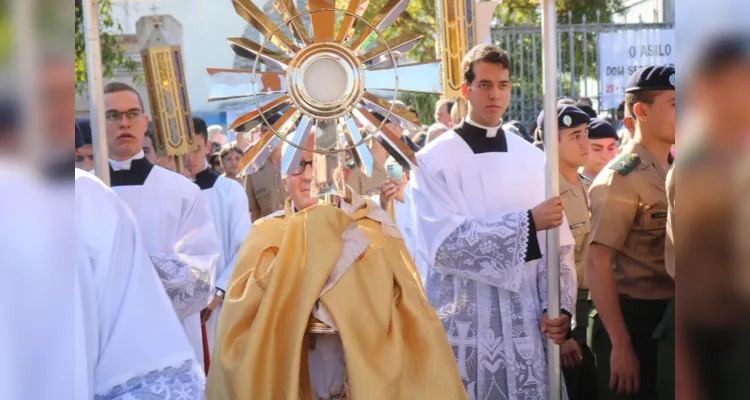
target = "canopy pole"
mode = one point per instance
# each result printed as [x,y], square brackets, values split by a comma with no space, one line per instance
[96,89]
[552,174]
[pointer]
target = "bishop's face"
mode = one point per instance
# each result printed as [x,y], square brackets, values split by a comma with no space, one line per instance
[489,94]
[298,183]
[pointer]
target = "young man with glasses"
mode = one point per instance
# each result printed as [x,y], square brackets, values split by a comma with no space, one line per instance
[172,215]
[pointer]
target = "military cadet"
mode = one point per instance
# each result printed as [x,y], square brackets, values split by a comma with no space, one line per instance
[602,149]
[577,359]
[265,191]
[626,271]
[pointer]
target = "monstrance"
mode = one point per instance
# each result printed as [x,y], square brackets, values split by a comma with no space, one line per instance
[333,79]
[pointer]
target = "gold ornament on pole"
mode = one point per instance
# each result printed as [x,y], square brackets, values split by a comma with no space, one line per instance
[167,93]
[459,29]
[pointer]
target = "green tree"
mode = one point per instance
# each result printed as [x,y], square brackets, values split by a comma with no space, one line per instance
[112,51]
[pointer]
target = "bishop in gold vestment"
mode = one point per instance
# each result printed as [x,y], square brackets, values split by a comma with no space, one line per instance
[348,266]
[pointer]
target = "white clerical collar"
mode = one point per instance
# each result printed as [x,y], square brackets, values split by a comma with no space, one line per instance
[125,164]
[491,132]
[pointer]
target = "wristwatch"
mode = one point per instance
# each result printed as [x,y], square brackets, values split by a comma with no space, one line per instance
[219,293]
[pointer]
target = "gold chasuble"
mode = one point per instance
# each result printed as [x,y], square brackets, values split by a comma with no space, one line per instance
[353,261]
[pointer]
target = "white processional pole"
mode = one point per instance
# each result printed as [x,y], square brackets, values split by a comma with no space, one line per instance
[552,174]
[96,90]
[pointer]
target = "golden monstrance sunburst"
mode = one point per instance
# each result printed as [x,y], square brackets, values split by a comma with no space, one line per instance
[332,78]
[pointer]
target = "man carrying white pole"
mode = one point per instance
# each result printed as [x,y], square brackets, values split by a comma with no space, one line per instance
[479,225]
[96,97]
[552,186]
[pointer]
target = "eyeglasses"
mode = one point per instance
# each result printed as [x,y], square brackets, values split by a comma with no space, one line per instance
[115,117]
[302,166]
[82,158]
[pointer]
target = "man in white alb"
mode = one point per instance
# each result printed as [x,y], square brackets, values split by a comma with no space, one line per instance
[173,216]
[94,324]
[480,214]
[228,203]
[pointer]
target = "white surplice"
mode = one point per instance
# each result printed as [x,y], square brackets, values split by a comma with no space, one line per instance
[229,209]
[471,226]
[179,235]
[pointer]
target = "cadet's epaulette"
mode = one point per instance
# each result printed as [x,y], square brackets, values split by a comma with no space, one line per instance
[626,163]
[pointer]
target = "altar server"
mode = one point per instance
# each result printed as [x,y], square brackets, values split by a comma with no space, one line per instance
[172,215]
[228,203]
[479,219]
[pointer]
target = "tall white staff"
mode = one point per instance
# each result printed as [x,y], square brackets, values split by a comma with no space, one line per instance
[96,95]
[549,63]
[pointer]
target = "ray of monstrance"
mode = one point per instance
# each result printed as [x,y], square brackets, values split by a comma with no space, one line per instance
[323,22]
[236,83]
[257,155]
[420,77]
[361,154]
[395,147]
[258,20]
[241,123]
[381,22]
[398,115]
[349,23]
[291,156]
[248,49]
[287,10]
[327,168]
[401,43]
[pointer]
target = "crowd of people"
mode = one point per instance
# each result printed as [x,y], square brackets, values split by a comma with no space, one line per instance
[415,285]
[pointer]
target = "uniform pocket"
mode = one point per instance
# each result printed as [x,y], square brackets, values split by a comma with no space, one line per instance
[654,219]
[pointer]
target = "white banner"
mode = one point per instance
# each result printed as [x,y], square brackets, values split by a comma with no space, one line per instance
[622,53]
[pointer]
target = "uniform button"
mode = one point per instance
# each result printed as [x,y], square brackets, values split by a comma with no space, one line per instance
[646,207]
[579,247]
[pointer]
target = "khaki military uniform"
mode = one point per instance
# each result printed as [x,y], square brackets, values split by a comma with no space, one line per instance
[580,381]
[265,190]
[629,215]
[576,203]
[587,181]
[365,185]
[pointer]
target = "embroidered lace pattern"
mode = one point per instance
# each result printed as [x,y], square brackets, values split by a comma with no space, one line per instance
[183,382]
[188,287]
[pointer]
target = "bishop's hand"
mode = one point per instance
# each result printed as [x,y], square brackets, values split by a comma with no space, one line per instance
[548,214]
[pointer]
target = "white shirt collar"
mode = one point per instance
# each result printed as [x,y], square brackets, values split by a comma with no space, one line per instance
[125,164]
[491,132]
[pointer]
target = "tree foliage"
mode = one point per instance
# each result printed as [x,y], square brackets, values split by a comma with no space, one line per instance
[112,51]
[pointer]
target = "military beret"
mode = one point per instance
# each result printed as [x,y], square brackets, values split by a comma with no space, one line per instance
[601,129]
[567,117]
[588,110]
[652,78]
[83,132]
